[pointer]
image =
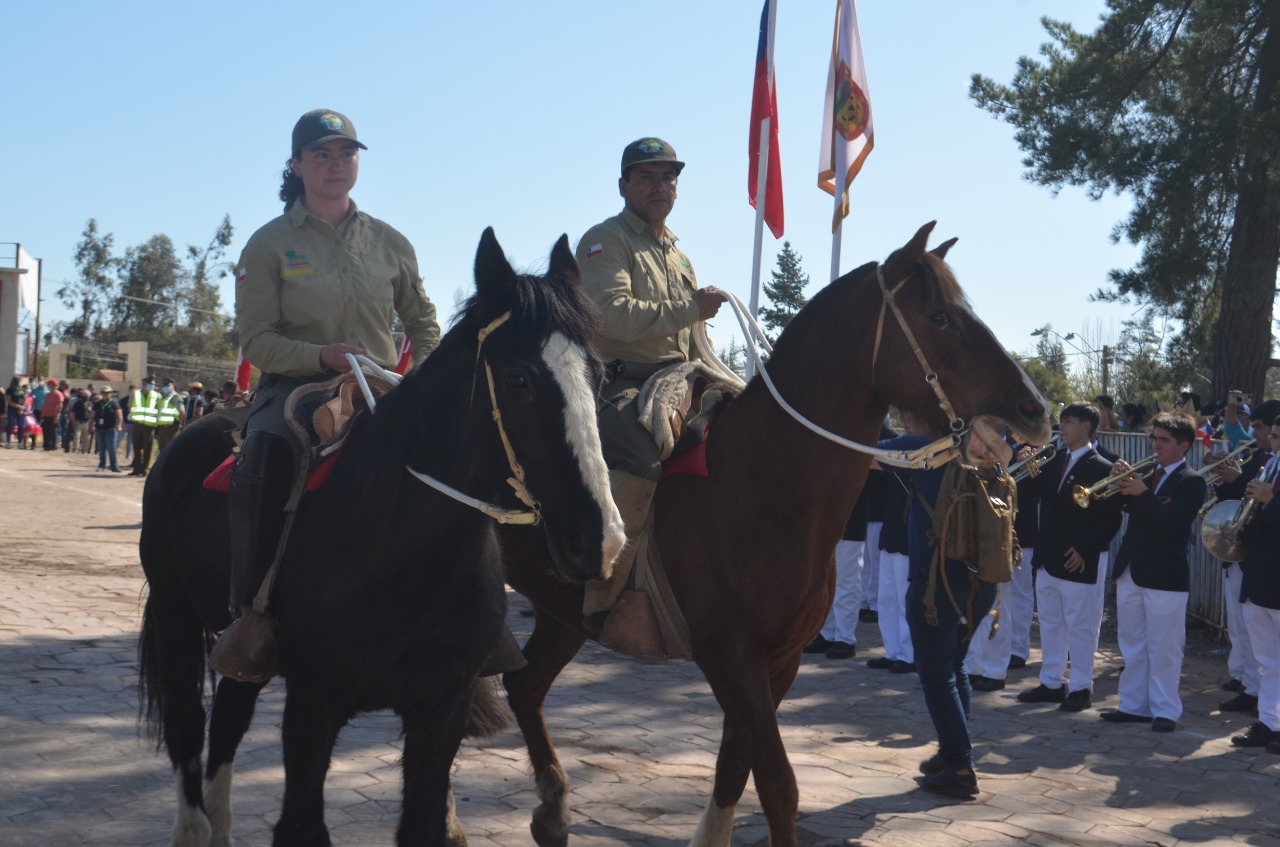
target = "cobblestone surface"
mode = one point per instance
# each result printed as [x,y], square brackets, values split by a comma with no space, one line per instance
[638,740]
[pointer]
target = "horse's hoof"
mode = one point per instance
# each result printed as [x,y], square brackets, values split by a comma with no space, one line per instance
[548,836]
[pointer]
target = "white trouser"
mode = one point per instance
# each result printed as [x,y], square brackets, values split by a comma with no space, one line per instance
[1264,633]
[989,655]
[871,573]
[842,620]
[1151,628]
[1242,664]
[893,607]
[1070,619]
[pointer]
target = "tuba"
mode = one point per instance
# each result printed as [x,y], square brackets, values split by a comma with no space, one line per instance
[1222,528]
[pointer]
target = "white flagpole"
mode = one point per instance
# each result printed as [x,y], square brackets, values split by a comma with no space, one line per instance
[762,171]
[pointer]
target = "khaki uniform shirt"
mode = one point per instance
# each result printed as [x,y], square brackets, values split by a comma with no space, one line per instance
[644,288]
[302,284]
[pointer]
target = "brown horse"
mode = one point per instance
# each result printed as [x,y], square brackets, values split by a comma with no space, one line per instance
[749,549]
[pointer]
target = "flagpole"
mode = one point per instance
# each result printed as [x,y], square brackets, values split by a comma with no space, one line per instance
[762,172]
[835,249]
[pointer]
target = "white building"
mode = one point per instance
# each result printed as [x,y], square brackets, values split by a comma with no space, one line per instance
[19,294]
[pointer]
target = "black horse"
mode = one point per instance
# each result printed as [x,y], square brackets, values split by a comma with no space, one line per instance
[390,594]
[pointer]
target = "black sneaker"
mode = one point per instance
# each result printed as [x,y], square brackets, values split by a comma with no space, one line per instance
[881,664]
[818,645]
[1044,694]
[1242,702]
[841,650]
[1077,701]
[932,765]
[962,784]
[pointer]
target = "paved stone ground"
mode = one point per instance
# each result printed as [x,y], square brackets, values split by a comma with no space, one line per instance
[638,741]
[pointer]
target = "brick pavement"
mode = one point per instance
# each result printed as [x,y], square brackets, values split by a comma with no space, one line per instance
[638,741]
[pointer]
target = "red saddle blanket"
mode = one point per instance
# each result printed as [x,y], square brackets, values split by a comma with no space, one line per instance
[220,478]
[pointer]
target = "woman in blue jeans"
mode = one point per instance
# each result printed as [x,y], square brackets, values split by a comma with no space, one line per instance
[940,647]
[108,420]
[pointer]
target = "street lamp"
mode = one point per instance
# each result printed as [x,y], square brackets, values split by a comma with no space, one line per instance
[1107,360]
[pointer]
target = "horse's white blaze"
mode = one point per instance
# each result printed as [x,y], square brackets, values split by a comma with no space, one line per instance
[568,364]
[716,826]
[217,803]
[191,827]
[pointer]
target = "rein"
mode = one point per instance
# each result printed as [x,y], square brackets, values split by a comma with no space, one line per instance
[932,455]
[516,481]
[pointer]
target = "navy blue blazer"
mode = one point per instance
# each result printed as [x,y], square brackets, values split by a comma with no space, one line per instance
[1155,546]
[1064,525]
[1261,567]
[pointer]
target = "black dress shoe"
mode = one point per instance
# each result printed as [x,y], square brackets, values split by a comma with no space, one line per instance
[817,645]
[1117,716]
[1077,701]
[985,683]
[1233,685]
[962,784]
[881,664]
[1044,694]
[1163,725]
[841,650]
[902,667]
[1258,735]
[1017,663]
[869,616]
[1240,703]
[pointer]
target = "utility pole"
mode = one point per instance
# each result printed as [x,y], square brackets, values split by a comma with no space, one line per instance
[1107,360]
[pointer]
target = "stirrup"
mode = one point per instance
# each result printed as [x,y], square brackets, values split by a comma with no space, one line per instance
[246,651]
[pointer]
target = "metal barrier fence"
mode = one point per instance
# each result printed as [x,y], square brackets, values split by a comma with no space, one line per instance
[1206,600]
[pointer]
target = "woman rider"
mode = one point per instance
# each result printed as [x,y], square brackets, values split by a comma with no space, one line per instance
[322,280]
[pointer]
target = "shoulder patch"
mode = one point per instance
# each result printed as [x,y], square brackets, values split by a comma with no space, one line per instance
[241,274]
[595,250]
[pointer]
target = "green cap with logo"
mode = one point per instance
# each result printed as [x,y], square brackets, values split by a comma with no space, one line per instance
[319,127]
[649,150]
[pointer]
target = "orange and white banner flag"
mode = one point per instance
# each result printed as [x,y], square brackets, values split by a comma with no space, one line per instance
[847,131]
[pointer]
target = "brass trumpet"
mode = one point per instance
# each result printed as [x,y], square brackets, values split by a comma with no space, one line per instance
[1030,466]
[1106,488]
[1212,472]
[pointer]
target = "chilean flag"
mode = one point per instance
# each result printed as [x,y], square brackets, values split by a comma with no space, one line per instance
[406,357]
[764,104]
[244,371]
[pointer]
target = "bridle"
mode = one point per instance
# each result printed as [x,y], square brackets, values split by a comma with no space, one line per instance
[517,479]
[932,455]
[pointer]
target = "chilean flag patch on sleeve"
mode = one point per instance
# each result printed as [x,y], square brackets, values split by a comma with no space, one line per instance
[595,250]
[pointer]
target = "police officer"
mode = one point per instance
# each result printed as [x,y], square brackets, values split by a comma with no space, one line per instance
[322,280]
[170,413]
[649,298]
[144,415]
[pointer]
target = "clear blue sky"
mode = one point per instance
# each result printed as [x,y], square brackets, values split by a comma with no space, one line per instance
[162,117]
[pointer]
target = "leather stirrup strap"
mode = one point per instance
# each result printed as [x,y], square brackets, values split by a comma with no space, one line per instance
[262,600]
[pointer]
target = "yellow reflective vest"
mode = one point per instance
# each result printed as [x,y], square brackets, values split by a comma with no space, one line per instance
[143,408]
[170,409]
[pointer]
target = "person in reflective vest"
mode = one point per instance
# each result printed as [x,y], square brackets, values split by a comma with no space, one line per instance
[144,415]
[170,413]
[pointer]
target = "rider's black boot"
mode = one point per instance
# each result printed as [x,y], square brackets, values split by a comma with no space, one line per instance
[260,484]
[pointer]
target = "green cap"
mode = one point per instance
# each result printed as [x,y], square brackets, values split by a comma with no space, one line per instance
[319,127]
[649,150]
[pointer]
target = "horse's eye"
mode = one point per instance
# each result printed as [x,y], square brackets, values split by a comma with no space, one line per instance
[518,381]
[940,320]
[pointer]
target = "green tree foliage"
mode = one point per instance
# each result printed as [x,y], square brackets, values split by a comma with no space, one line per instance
[1048,369]
[785,291]
[735,357]
[1143,373]
[150,277]
[1177,104]
[93,290]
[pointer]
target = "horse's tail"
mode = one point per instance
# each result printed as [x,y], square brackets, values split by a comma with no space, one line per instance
[151,693]
[488,714]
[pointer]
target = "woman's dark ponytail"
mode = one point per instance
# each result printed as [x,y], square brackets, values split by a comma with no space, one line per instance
[292,188]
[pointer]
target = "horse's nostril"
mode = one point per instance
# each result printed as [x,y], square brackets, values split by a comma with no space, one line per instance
[575,546]
[1031,408]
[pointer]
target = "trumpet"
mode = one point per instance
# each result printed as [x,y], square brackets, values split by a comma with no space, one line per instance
[1212,472]
[1030,466]
[1106,488]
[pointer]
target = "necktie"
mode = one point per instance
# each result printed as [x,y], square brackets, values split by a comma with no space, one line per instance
[1065,467]
[1156,478]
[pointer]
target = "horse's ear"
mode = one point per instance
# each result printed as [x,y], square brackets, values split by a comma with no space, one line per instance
[941,250]
[495,277]
[903,261]
[564,267]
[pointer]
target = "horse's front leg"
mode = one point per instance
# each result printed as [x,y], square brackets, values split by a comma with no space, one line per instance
[551,646]
[432,735]
[308,736]
[232,712]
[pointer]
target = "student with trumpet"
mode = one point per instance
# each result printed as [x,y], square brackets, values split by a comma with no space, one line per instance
[1153,576]
[1070,560]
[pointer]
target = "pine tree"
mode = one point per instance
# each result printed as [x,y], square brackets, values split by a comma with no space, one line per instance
[785,292]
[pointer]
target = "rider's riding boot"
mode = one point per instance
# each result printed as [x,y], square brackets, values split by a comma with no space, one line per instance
[633,495]
[260,484]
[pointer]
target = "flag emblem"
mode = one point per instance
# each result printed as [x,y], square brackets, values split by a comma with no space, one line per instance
[332,121]
[296,265]
[596,249]
[241,275]
[853,110]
